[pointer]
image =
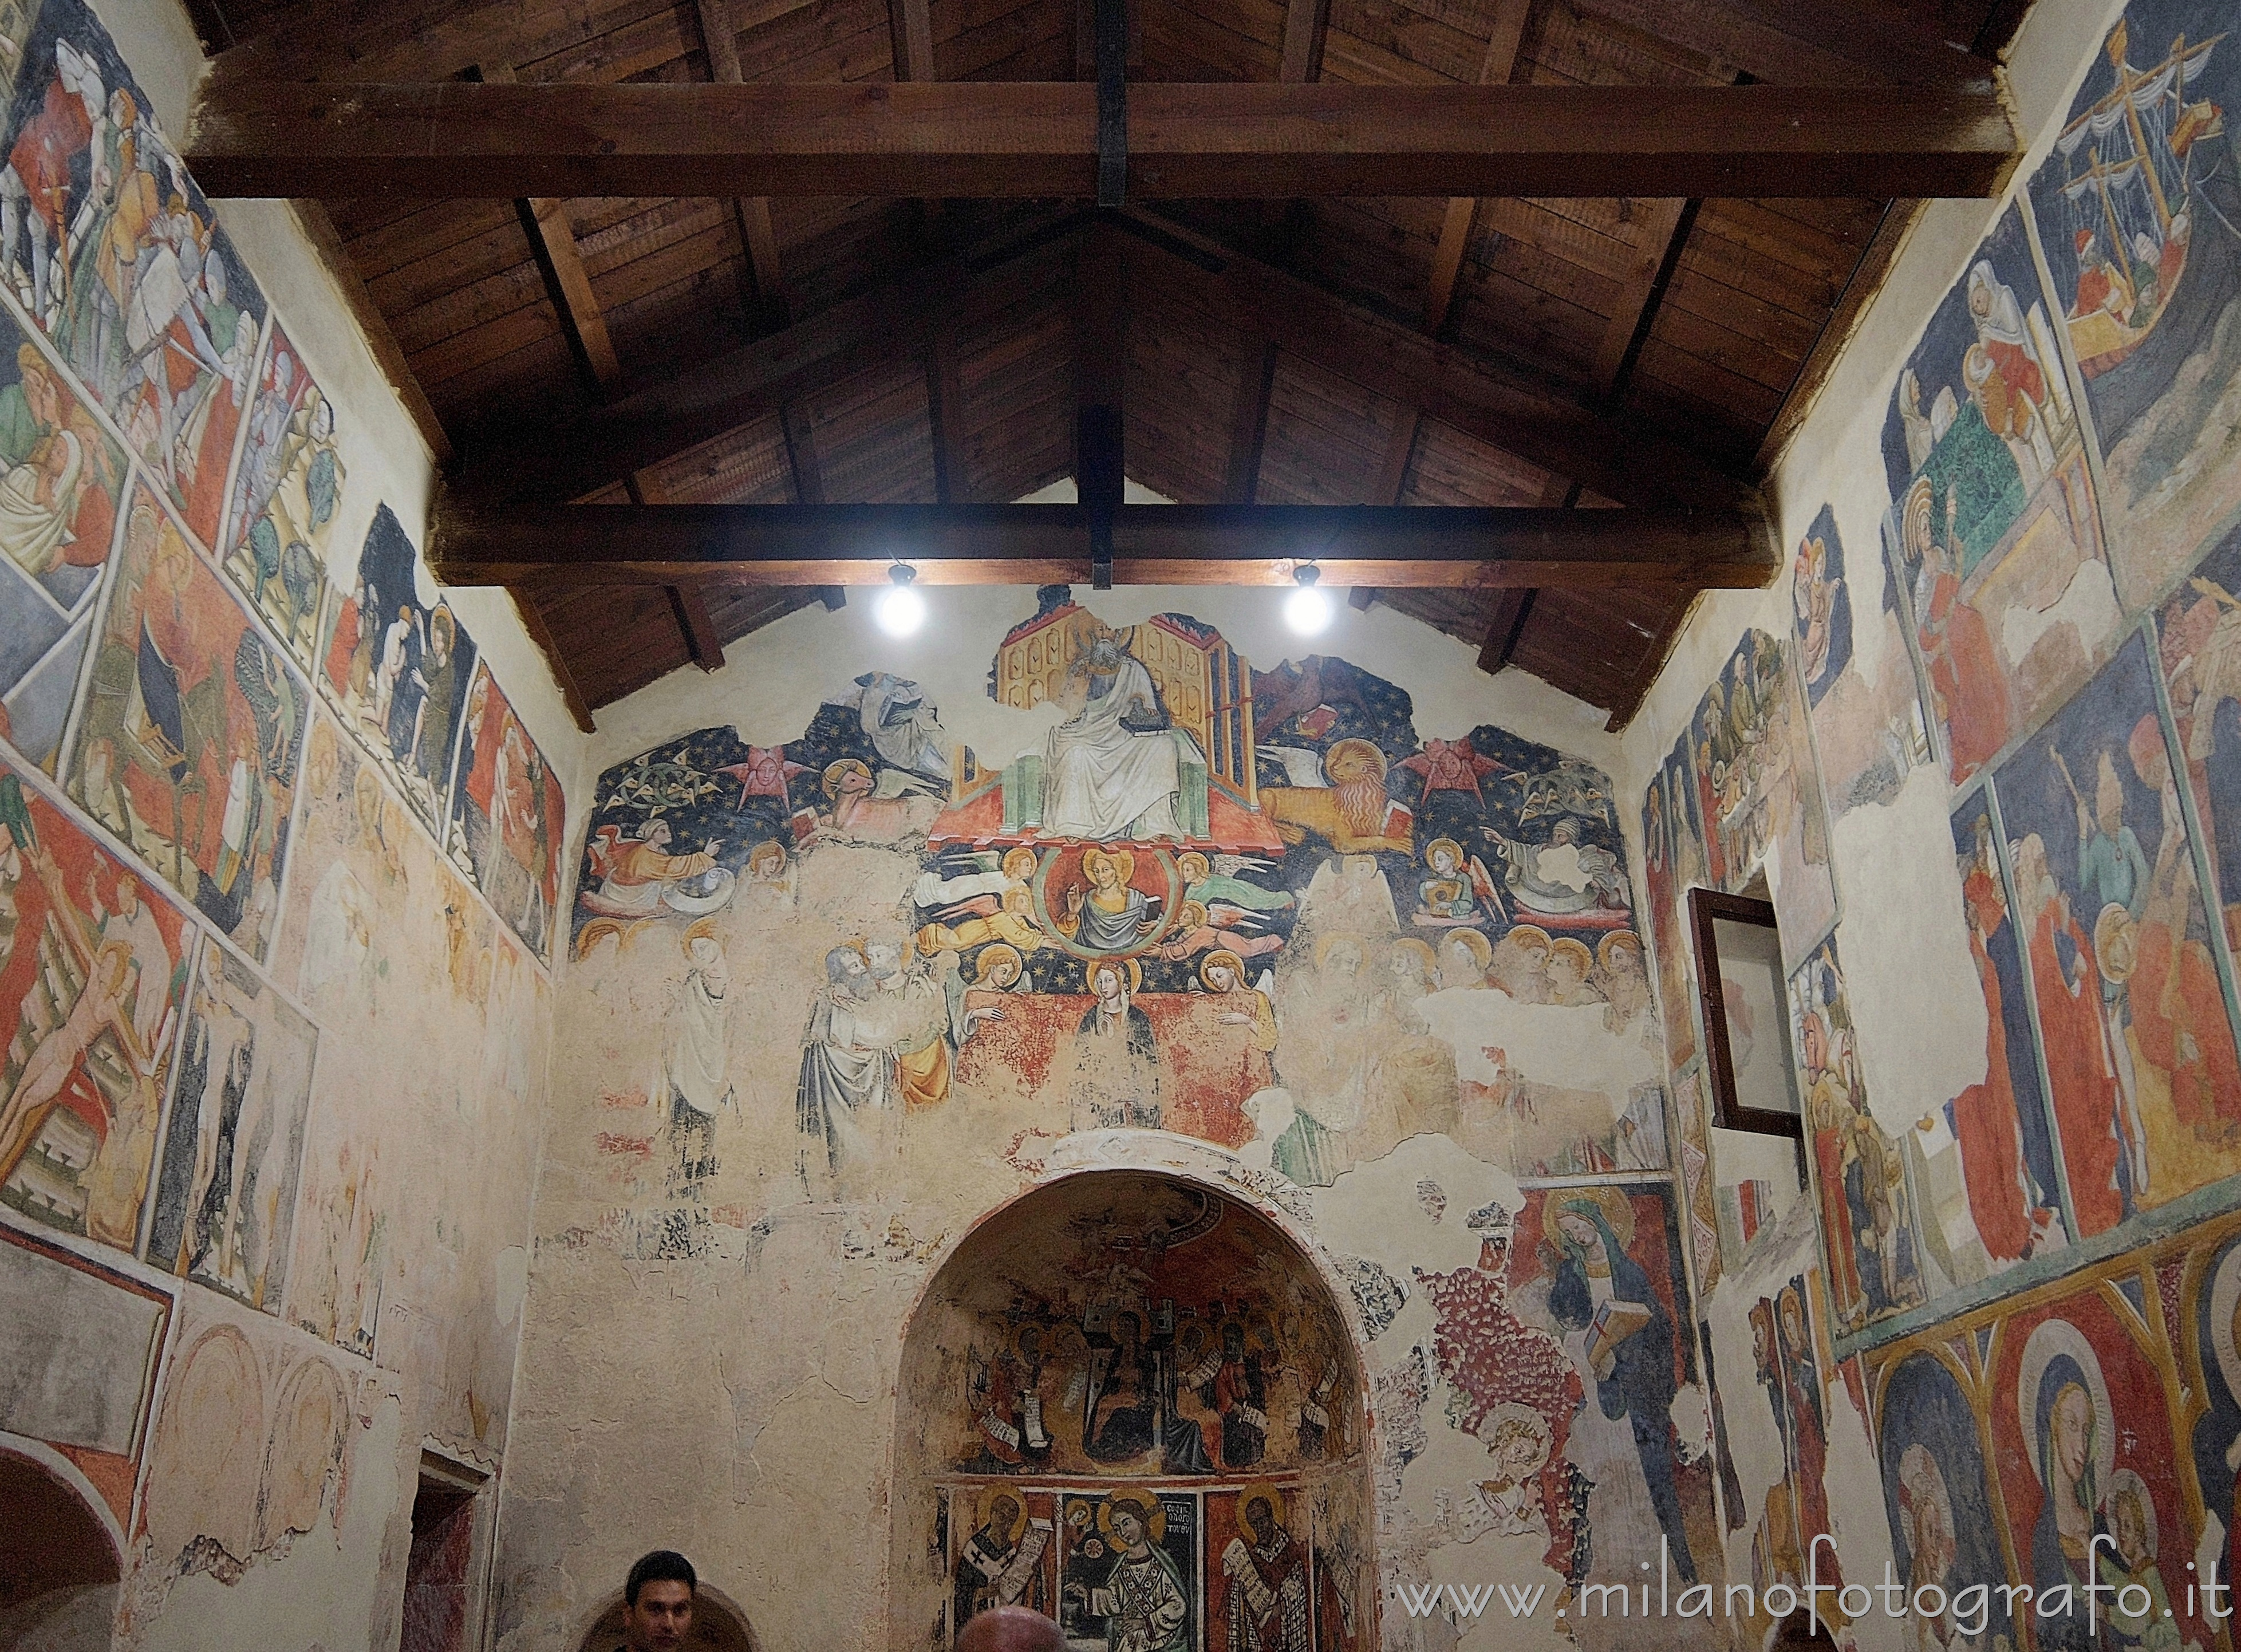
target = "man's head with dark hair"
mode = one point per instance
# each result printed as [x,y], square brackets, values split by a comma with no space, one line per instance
[1011,1628]
[658,1601]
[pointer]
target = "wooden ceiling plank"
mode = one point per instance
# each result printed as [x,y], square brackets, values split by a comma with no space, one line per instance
[1663,224]
[1624,459]
[910,24]
[1655,650]
[1786,43]
[522,546]
[564,677]
[725,393]
[388,355]
[1248,425]
[1038,140]
[1866,280]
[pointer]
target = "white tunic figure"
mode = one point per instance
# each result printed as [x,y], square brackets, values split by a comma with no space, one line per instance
[1101,777]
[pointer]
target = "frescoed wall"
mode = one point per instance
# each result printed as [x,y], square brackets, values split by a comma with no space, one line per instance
[252,1264]
[2013,983]
[1084,890]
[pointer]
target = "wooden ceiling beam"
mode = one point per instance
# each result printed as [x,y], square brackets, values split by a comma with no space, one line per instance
[542,546]
[567,284]
[1512,608]
[1306,24]
[1860,288]
[945,407]
[564,676]
[466,139]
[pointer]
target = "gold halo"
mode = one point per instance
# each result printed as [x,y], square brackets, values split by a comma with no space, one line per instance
[1618,940]
[2116,943]
[1323,946]
[1185,918]
[1454,848]
[1155,1522]
[1477,944]
[984,1505]
[1567,946]
[1420,950]
[764,850]
[985,965]
[830,781]
[1222,955]
[1011,857]
[1135,973]
[1352,745]
[1613,1204]
[1260,1488]
[1205,866]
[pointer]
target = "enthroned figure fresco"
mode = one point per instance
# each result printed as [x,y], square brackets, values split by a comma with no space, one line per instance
[2138,209]
[1440,940]
[2078,1392]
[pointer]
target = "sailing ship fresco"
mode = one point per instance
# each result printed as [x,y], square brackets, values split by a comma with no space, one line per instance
[2132,199]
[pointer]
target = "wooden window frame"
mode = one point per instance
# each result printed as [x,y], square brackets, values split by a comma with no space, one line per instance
[1707,907]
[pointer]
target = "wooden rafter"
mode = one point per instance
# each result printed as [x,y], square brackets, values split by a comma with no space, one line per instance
[1494,70]
[945,407]
[1306,22]
[471,543]
[757,234]
[687,606]
[1040,139]
[1620,458]
[1784,43]
[1864,282]
[720,394]
[564,676]
[1512,608]
[567,284]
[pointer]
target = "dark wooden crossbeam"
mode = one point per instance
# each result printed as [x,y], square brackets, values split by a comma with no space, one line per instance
[545,545]
[254,135]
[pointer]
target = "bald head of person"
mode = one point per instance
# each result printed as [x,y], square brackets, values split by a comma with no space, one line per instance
[1011,1628]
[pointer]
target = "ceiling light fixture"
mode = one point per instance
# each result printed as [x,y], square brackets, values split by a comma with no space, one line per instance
[1308,610]
[899,609]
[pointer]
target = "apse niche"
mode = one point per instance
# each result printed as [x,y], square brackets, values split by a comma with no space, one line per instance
[1131,1403]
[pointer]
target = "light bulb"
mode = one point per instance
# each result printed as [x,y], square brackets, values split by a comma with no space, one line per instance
[1307,610]
[900,611]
